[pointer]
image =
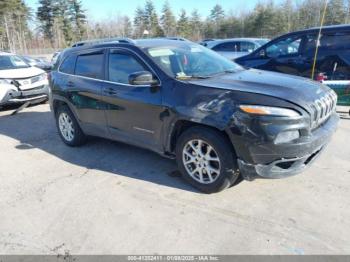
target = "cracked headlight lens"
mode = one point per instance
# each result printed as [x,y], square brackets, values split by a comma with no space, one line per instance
[268,110]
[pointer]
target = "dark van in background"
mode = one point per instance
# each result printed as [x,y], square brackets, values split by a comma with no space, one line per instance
[294,53]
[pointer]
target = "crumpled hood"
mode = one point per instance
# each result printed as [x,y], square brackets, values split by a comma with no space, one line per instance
[297,90]
[20,73]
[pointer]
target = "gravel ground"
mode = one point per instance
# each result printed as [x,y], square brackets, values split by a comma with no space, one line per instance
[111,198]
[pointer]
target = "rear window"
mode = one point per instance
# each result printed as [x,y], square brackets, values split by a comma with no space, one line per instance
[68,65]
[90,65]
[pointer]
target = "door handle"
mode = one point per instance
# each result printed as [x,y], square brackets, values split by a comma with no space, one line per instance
[110,91]
[70,84]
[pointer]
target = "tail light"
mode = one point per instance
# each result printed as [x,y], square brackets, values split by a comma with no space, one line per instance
[321,77]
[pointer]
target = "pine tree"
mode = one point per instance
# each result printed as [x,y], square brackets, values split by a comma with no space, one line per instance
[183,25]
[168,20]
[336,12]
[217,13]
[63,16]
[45,15]
[78,18]
[151,21]
[196,25]
[139,22]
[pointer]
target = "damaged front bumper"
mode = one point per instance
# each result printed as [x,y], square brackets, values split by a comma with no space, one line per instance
[10,94]
[270,160]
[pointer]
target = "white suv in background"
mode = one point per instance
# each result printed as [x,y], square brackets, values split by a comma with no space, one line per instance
[234,47]
[20,82]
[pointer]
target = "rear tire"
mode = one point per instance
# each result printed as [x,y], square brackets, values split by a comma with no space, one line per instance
[206,159]
[68,127]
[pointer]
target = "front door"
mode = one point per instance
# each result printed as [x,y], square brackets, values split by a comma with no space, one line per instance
[133,111]
[285,56]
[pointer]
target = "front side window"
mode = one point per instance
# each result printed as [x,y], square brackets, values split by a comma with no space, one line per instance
[285,47]
[8,62]
[191,61]
[90,65]
[121,66]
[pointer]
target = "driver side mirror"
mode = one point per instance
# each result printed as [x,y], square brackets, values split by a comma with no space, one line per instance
[142,78]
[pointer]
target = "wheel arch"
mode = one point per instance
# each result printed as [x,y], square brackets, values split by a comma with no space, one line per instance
[181,125]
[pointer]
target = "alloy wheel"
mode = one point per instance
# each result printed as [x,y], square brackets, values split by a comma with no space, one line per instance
[201,161]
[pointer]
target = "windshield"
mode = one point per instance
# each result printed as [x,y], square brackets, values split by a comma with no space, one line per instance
[191,61]
[11,62]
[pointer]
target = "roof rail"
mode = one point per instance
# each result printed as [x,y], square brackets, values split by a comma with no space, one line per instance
[104,40]
[174,38]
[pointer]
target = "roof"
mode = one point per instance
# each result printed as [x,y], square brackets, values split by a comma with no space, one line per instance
[324,28]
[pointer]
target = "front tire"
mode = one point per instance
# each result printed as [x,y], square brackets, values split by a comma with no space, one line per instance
[206,159]
[68,127]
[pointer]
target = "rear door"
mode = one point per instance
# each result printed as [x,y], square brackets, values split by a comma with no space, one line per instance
[134,111]
[85,90]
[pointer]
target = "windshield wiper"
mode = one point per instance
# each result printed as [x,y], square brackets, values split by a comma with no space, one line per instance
[192,77]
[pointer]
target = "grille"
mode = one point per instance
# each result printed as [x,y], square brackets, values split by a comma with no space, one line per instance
[322,108]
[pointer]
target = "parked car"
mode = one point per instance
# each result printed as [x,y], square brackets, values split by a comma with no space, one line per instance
[20,82]
[235,47]
[294,53]
[38,62]
[187,102]
[55,56]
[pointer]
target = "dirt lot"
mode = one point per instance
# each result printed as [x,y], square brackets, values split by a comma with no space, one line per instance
[111,198]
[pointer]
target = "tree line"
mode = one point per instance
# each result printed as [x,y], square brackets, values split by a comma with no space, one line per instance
[59,23]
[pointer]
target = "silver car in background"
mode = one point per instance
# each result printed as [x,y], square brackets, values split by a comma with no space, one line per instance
[234,47]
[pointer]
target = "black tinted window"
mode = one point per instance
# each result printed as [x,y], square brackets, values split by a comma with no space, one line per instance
[121,66]
[227,47]
[68,65]
[335,41]
[90,65]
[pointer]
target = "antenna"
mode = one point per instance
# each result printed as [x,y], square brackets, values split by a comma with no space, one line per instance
[318,40]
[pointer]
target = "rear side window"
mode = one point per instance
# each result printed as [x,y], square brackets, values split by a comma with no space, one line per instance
[247,47]
[121,65]
[227,47]
[90,65]
[335,41]
[68,65]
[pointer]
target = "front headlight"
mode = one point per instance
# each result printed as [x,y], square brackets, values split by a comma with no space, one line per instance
[268,110]
[5,82]
[42,77]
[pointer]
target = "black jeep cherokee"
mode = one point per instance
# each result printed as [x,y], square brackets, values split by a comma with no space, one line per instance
[184,101]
